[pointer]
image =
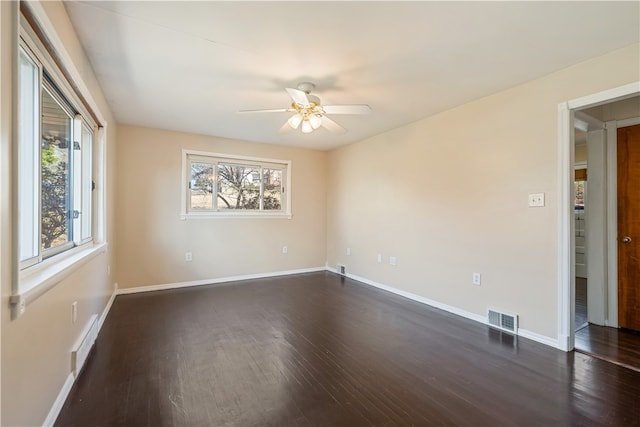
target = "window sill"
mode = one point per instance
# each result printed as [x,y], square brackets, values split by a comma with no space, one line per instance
[235,215]
[35,281]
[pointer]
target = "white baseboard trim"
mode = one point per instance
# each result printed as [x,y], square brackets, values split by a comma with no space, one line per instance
[68,384]
[420,299]
[59,402]
[542,339]
[219,280]
[106,310]
[451,309]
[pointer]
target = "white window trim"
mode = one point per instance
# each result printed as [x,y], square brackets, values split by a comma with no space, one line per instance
[38,279]
[185,214]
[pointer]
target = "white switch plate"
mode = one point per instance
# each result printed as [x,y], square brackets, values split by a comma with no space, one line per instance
[393,260]
[348,251]
[188,256]
[536,200]
[379,257]
[74,312]
[477,278]
[285,249]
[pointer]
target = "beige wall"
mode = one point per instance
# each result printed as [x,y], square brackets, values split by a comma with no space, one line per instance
[153,240]
[36,348]
[447,196]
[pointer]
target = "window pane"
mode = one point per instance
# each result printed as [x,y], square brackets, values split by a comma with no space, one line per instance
[272,199]
[237,188]
[201,186]
[56,186]
[28,169]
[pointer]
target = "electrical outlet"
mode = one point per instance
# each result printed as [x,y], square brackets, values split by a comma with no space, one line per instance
[188,256]
[285,250]
[536,200]
[22,307]
[476,279]
[393,260]
[74,312]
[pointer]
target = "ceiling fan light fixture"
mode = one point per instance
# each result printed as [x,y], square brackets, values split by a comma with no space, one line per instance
[295,120]
[308,112]
[306,126]
[315,120]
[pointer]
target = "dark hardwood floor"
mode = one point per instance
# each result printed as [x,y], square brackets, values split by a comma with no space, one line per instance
[320,350]
[619,346]
[581,302]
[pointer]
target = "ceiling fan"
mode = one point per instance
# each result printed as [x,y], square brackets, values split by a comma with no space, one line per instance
[309,113]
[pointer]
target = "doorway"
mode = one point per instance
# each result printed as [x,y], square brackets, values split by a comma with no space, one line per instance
[580,206]
[607,332]
[580,235]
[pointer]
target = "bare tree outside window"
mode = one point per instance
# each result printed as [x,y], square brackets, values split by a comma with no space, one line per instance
[223,185]
[201,186]
[236,187]
[56,184]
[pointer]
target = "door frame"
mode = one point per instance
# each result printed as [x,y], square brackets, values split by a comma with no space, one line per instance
[566,226]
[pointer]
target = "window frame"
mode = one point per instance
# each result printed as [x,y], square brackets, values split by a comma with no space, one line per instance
[39,38]
[52,79]
[217,158]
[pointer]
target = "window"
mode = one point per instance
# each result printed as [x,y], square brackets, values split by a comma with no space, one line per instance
[219,185]
[55,146]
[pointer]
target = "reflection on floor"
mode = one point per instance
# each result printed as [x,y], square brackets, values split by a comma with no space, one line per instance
[619,346]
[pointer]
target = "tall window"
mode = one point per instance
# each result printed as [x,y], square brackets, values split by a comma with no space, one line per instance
[54,166]
[223,185]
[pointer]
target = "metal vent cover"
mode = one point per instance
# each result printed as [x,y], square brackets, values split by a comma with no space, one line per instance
[504,321]
[341,269]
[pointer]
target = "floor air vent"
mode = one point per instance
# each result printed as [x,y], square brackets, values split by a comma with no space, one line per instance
[504,321]
[341,269]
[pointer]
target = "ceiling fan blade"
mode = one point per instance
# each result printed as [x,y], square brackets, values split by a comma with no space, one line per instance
[332,126]
[347,109]
[298,96]
[286,128]
[274,110]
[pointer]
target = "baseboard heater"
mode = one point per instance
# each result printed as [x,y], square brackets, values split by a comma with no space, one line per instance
[83,347]
[504,321]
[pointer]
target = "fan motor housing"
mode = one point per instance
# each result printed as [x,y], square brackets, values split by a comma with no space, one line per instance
[306,87]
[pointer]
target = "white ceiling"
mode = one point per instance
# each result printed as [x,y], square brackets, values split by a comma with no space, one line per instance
[191,66]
